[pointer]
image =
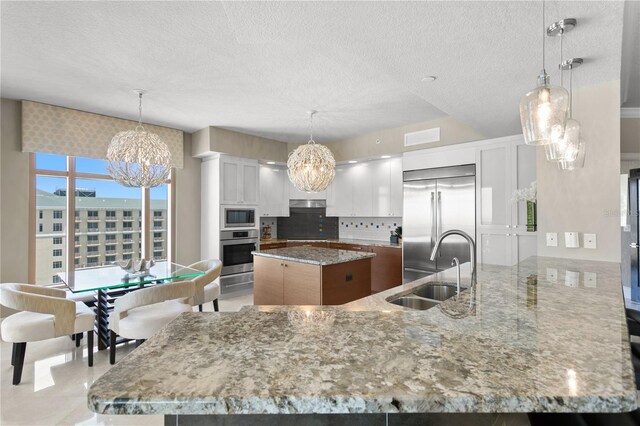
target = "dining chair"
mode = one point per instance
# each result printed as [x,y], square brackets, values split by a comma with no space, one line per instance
[140,314]
[206,288]
[44,313]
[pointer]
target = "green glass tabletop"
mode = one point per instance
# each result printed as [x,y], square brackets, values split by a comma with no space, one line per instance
[112,277]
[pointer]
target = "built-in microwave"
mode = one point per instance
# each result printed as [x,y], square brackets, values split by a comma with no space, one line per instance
[238,217]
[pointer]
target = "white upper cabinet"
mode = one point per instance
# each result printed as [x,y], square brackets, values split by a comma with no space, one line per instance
[492,181]
[296,194]
[368,189]
[239,181]
[274,191]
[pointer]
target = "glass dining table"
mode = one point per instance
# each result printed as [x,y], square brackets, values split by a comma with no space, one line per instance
[109,282]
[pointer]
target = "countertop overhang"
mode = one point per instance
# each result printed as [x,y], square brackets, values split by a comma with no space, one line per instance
[314,255]
[547,335]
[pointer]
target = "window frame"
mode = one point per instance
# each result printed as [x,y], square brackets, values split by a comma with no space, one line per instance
[71,175]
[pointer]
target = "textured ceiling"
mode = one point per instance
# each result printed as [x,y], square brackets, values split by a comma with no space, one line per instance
[630,81]
[256,67]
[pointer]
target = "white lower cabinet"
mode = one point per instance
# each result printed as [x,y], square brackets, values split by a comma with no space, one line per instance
[497,247]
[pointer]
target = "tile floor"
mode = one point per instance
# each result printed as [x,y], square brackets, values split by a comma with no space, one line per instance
[56,377]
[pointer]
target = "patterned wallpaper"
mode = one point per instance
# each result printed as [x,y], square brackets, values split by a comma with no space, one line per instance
[57,130]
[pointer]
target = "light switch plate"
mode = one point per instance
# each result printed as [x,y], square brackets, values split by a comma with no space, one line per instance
[552,239]
[590,241]
[552,275]
[571,278]
[571,240]
[590,279]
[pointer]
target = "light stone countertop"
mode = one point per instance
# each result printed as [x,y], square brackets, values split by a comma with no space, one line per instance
[314,255]
[546,335]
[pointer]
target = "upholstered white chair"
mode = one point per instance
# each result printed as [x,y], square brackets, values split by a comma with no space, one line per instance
[206,289]
[141,313]
[44,314]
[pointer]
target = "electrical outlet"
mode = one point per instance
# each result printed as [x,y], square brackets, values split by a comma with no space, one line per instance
[590,241]
[571,240]
[590,279]
[552,275]
[552,239]
[571,278]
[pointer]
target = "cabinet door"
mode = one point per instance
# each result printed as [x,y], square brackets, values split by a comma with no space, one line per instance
[362,205]
[494,247]
[302,284]
[525,244]
[386,268]
[339,196]
[296,194]
[381,188]
[493,183]
[230,172]
[268,287]
[271,191]
[249,183]
[396,191]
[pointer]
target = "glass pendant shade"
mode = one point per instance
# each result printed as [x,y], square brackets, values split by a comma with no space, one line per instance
[544,112]
[311,167]
[574,157]
[564,148]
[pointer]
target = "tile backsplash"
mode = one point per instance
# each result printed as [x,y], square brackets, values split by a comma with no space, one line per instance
[368,228]
[273,223]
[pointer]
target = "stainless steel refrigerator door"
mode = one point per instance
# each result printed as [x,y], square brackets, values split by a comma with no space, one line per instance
[418,225]
[634,221]
[455,209]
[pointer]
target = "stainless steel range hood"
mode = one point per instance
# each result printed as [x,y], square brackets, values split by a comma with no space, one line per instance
[309,204]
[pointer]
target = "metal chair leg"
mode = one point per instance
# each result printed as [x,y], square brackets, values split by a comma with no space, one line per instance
[90,347]
[215,305]
[19,362]
[13,354]
[78,339]
[112,348]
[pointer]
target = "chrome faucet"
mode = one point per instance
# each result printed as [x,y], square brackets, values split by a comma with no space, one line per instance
[455,262]
[472,249]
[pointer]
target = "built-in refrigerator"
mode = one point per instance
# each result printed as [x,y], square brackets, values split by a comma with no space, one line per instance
[634,222]
[437,200]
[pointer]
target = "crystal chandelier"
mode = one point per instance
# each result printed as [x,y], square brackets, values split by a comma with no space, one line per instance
[311,167]
[544,110]
[138,158]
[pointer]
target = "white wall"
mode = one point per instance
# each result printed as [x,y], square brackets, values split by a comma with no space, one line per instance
[188,207]
[585,200]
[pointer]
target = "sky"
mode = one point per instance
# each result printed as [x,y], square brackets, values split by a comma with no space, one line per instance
[103,188]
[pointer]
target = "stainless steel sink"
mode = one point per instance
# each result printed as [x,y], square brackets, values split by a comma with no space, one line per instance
[414,303]
[439,291]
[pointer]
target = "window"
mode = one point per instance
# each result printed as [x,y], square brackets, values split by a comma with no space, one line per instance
[157,235]
[110,259]
[55,279]
[57,253]
[57,264]
[157,254]
[126,256]
[157,244]
[98,199]
[157,224]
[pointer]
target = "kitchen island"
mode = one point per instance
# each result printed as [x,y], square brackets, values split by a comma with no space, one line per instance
[547,335]
[310,276]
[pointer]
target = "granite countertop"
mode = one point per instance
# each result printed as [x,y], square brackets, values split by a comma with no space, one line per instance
[314,255]
[546,335]
[375,243]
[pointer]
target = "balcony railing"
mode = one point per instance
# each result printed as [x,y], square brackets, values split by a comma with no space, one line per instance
[93,218]
[127,240]
[93,230]
[111,219]
[158,238]
[93,243]
[127,219]
[110,251]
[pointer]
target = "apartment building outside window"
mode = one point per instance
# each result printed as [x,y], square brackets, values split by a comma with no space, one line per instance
[157,224]
[102,207]
[55,279]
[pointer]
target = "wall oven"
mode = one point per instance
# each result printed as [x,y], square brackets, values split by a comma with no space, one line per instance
[237,260]
[238,217]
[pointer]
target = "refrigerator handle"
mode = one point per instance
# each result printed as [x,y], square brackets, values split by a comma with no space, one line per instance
[439,217]
[434,227]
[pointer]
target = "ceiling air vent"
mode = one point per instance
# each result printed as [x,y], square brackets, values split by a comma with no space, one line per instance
[422,137]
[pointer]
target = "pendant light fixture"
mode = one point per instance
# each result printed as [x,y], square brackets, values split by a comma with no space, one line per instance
[138,158]
[311,167]
[544,110]
[574,148]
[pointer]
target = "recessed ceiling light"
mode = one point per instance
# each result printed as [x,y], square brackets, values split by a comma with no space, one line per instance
[385,156]
[352,161]
[429,78]
[271,162]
